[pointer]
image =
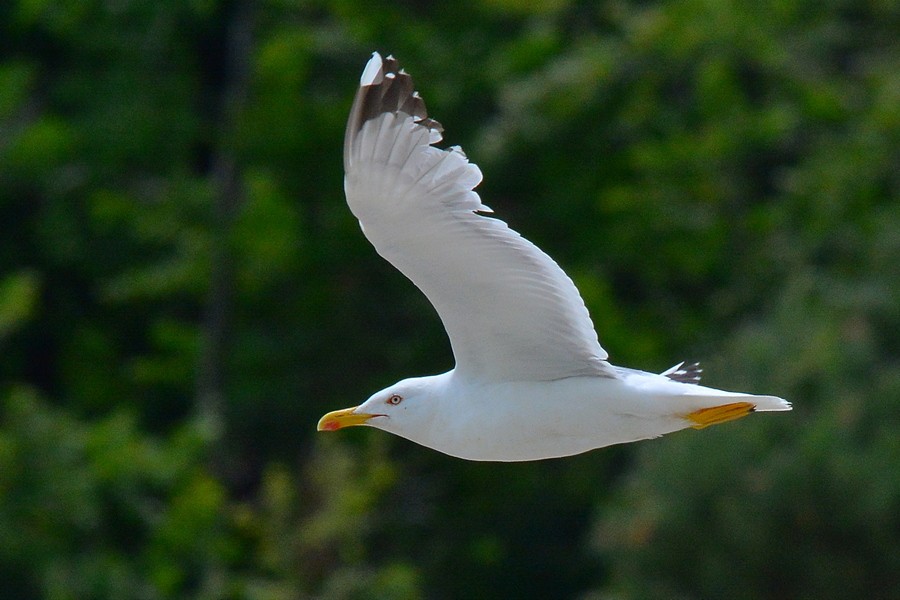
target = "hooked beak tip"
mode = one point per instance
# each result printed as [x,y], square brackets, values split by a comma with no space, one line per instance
[339,419]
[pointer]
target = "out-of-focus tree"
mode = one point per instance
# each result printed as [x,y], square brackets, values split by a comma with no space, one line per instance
[788,119]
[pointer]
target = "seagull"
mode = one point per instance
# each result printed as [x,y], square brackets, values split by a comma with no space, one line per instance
[531,380]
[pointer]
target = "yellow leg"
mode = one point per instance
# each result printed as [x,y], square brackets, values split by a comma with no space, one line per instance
[719,414]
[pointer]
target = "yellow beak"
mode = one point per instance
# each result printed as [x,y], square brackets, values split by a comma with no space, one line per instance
[337,419]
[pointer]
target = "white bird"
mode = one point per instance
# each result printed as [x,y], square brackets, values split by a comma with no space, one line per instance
[531,380]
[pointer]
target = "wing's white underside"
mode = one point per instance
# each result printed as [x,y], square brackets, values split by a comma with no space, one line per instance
[510,311]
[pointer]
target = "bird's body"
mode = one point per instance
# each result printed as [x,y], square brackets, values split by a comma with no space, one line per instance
[531,380]
[479,420]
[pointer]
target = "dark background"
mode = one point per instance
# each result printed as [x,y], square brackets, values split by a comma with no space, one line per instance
[183,292]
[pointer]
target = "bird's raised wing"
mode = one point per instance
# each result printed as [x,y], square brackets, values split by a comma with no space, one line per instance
[510,311]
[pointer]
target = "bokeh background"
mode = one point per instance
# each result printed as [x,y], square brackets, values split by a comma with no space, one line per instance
[183,292]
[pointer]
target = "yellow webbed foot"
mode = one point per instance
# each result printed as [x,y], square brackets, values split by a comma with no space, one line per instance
[719,414]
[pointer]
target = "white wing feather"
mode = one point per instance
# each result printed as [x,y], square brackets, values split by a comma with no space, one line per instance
[510,311]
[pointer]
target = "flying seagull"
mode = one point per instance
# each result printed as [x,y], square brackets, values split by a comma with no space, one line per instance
[531,380]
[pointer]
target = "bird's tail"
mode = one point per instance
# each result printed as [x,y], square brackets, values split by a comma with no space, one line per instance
[730,407]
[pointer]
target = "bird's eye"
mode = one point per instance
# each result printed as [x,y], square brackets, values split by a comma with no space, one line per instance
[395,399]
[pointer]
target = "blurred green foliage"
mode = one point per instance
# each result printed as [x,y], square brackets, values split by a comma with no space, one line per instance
[183,292]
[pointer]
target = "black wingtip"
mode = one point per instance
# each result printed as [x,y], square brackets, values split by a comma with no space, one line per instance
[385,88]
[685,373]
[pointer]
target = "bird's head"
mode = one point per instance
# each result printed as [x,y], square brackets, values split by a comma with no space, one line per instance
[404,407]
